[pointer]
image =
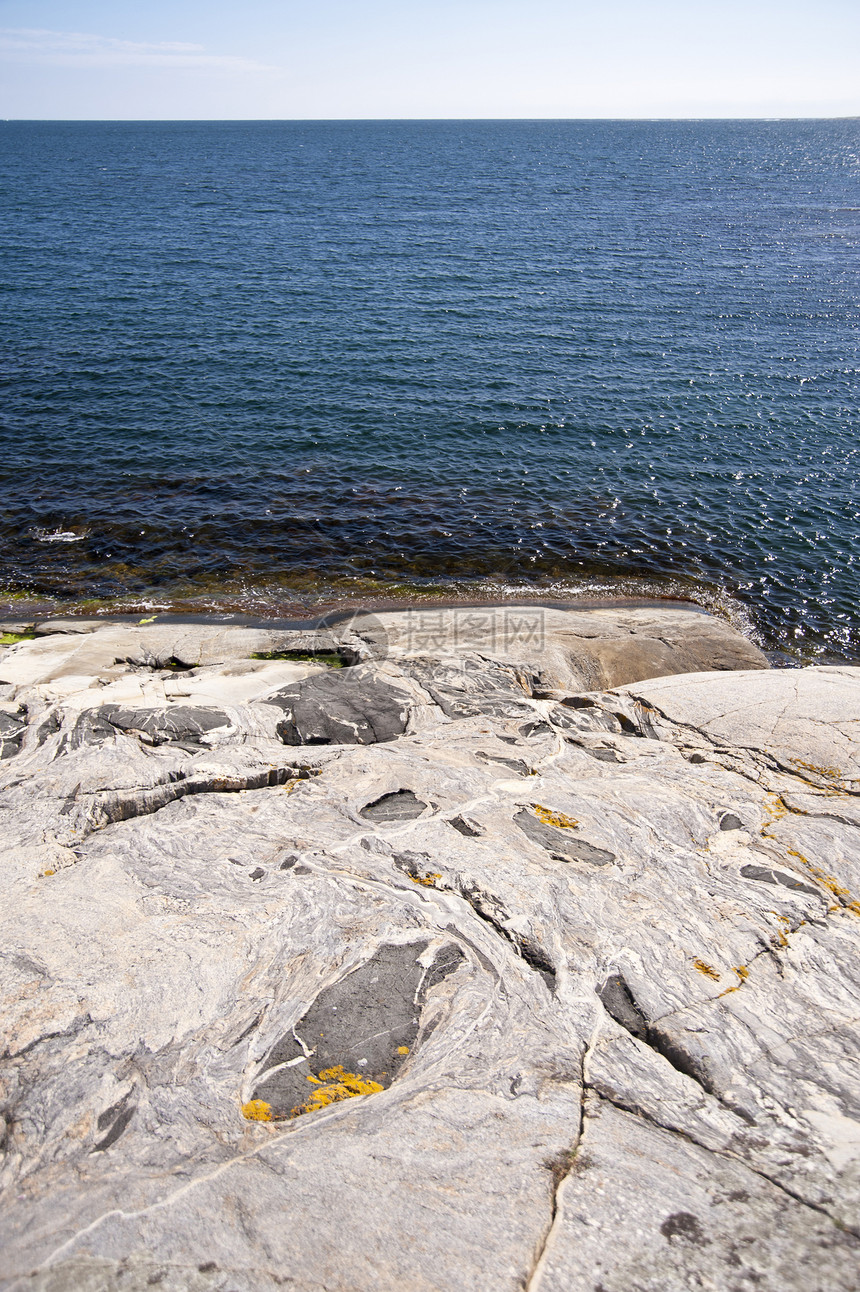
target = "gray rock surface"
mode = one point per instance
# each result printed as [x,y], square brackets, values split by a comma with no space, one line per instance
[535,989]
[569,649]
[326,709]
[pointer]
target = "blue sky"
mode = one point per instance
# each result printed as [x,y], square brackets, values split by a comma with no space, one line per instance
[181,59]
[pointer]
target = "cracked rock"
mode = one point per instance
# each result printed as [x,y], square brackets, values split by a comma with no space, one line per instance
[451,968]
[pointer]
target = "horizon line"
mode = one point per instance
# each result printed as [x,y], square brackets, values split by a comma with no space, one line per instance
[402,120]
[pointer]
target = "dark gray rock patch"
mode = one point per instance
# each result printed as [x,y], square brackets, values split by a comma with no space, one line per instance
[561,843]
[537,728]
[111,807]
[89,728]
[402,805]
[419,866]
[766,875]
[683,1227]
[582,850]
[603,753]
[464,827]
[536,958]
[515,765]
[181,724]
[617,999]
[366,1024]
[177,724]
[342,708]
[692,1061]
[168,664]
[12,730]
[114,1121]
[47,727]
[730,821]
[489,909]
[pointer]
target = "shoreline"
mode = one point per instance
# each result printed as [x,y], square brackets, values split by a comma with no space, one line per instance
[39,618]
[303,600]
[336,613]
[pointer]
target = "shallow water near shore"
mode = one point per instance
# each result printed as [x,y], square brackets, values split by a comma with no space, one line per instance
[278,369]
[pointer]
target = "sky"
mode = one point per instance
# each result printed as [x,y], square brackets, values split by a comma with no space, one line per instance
[327,59]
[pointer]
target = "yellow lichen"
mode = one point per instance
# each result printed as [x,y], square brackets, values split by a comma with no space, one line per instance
[775,809]
[829,881]
[743,973]
[428,880]
[339,1085]
[403,1049]
[48,872]
[782,935]
[706,969]
[554,818]
[257,1110]
[831,773]
[358,1085]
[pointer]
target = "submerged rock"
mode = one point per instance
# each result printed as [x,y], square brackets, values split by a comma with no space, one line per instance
[499,980]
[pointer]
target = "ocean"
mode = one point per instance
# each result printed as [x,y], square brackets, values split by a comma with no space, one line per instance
[274,367]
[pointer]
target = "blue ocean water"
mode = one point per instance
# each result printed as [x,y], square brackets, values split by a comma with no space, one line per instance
[272,364]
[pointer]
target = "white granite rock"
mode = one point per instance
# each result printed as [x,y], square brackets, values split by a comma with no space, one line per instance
[543,993]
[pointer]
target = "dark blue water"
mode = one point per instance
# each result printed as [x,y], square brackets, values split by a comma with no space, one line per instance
[256,364]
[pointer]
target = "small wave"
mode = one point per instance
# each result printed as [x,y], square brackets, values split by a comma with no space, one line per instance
[60,536]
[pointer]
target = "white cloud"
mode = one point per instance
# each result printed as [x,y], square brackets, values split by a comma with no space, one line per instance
[82,49]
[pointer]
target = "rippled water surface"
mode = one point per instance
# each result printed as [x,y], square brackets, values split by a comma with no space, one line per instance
[266,364]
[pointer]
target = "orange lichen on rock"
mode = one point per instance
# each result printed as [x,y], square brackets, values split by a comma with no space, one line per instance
[339,1085]
[743,973]
[706,969]
[257,1110]
[428,880]
[557,819]
[782,935]
[829,881]
[830,773]
[775,809]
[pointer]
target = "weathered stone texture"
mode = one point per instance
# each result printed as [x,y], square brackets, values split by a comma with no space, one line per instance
[538,988]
